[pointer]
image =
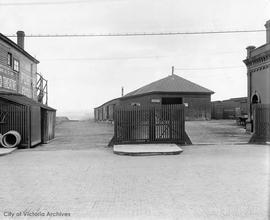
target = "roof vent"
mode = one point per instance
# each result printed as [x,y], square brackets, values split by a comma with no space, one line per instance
[249,50]
[172,70]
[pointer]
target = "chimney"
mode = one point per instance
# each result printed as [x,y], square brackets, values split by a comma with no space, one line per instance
[267,26]
[249,50]
[122,91]
[20,39]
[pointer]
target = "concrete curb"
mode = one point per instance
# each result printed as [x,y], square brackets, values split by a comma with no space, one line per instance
[5,151]
[147,153]
[147,149]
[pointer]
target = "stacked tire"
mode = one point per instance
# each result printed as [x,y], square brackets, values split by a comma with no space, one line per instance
[10,139]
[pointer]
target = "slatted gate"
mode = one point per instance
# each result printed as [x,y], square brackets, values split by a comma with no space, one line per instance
[15,117]
[261,119]
[159,124]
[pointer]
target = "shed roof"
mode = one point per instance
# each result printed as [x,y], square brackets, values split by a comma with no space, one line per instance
[110,102]
[170,84]
[14,45]
[239,99]
[23,100]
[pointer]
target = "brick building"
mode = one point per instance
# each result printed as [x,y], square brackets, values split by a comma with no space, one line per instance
[258,73]
[169,90]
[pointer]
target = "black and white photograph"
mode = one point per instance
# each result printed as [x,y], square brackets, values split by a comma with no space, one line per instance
[135,109]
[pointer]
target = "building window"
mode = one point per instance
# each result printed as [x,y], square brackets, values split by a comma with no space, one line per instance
[135,104]
[16,65]
[9,61]
[172,100]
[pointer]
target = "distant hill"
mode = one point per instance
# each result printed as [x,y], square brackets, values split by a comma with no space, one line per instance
[60,119]
[80,115]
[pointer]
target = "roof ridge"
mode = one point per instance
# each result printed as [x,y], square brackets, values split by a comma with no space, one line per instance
[136,90]
[13,44]
[166,84]
[192,82]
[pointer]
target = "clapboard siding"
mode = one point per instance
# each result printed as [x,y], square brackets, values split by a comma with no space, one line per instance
[24,81]
[3,55]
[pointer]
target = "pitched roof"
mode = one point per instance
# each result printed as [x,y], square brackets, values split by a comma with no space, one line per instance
[22,100]
[111,102]
[14,45]
[172,83]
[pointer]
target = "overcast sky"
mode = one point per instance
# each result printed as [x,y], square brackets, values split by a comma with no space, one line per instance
[85,72]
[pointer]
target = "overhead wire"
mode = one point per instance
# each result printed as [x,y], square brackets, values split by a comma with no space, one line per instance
[134,34]
[43,3]
[210,68]
[102,58]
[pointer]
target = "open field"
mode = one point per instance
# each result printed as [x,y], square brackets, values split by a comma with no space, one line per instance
[77,174]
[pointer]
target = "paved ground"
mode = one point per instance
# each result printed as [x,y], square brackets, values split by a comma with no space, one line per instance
[5,151]
[83,178]
[216,132]
[74,135]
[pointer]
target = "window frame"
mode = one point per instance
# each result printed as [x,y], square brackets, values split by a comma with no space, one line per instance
[9,59]
[14,61]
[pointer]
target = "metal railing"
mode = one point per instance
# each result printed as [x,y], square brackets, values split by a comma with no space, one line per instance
[42,89]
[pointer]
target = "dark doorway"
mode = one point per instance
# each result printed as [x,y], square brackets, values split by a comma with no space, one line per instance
[255,99]
[172,100]
[107,112]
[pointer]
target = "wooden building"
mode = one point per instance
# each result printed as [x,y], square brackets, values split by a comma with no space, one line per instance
[23,94]
[169,90]
[34,121]
[105,111]
[17,67]
[229,109]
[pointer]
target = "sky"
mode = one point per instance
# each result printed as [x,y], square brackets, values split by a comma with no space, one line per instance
[85,72]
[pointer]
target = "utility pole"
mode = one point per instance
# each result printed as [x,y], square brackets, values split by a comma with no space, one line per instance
[172,70]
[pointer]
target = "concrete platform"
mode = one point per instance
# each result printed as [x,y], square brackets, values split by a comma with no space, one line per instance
[147,149]
[4,151]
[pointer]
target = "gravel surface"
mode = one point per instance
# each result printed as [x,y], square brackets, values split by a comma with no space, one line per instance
[77,175]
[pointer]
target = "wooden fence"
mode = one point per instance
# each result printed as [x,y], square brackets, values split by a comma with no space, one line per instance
[161,124]
[34,123]
[14,117]
[261,120]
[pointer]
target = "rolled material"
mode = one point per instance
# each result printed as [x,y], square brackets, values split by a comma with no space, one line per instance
[10,139]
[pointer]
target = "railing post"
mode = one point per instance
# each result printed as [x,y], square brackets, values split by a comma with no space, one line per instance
[152,124]
[169,109]
[115,119]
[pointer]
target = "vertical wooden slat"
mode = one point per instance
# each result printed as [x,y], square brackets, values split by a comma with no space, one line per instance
[150,124]
[261,116]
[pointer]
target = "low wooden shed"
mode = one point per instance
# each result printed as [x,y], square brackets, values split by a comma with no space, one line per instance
[171,90]
[34,121]
[229,109]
